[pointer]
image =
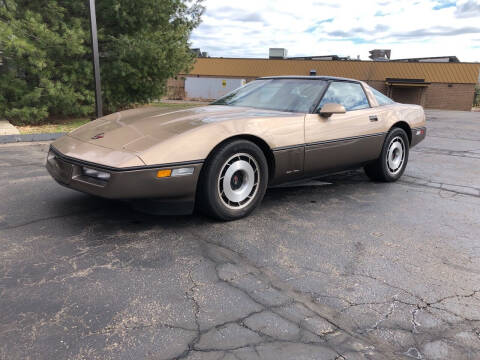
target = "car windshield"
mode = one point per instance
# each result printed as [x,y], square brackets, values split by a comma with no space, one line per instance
[291,95]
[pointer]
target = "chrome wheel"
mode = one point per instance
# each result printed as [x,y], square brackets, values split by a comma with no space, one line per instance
[238,181]
[395,155]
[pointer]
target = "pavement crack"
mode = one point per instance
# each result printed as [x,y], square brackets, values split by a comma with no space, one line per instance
[390,311]
[472,294]
[268,277]
[191,296]
[454,189]
[454,138]
[75,213]
[415,324]
[471,154]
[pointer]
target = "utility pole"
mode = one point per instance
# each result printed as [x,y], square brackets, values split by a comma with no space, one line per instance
[96,60]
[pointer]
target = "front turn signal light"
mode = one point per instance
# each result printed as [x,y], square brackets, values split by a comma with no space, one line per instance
[164,173]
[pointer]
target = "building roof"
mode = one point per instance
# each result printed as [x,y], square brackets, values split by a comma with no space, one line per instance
[308,77]
[319,57]
[430,59]
[466,73]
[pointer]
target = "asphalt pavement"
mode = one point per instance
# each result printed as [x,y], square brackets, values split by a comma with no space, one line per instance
[339,269]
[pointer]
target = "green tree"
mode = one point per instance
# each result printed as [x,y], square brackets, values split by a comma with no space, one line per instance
[46,53]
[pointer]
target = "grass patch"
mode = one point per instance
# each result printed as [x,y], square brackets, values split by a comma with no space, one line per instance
[56,127]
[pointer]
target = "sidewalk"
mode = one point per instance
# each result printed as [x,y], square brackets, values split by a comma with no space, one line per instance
[8,129]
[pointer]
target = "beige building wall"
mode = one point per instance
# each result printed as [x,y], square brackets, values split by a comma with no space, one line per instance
[379,85]
[435,96]
[451,85]
[450,96]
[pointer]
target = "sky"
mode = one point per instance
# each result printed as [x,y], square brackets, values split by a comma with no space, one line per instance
[247,28]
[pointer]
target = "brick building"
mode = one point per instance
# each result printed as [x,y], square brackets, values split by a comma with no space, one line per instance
[431,84]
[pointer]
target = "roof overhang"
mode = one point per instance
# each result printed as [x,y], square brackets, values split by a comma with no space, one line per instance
[407,85]
[406,82]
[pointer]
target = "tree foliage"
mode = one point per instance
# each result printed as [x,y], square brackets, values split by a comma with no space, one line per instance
[45,48]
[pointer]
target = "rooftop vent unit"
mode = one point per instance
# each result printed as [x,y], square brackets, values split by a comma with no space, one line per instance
[380,54]
[277,53]
[199,53]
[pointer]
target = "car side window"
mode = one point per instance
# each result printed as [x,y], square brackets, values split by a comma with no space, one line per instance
[381,99]
[350,95]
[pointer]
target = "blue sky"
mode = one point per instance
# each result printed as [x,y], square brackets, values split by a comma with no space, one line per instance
[247,28]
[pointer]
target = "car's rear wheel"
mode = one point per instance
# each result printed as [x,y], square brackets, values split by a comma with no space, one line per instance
[393,159]
[233,181]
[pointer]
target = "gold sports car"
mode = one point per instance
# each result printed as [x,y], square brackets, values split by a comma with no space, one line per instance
[222,157]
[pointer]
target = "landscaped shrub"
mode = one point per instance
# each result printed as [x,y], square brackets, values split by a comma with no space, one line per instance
[45,52]
[476,100]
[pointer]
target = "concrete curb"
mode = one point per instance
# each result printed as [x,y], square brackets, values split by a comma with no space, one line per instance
[7,129]
[5,139]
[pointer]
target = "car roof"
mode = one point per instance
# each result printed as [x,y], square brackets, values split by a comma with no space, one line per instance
[308,77]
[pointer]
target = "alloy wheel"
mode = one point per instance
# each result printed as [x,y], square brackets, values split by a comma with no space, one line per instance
[238,181]
[395,155]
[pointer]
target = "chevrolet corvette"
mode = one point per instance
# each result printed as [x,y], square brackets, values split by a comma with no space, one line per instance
[222,157]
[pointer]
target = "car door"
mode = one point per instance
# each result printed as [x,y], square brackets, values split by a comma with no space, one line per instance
[342,140]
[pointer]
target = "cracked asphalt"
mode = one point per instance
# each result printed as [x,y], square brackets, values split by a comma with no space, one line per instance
[348,270]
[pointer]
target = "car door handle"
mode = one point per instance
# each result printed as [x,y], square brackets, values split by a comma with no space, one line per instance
[373,118]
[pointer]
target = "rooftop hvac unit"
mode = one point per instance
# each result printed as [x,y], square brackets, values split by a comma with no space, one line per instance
[380,54]
[277,53]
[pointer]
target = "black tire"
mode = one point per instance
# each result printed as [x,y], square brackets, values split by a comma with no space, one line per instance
[220,179]
[382,169]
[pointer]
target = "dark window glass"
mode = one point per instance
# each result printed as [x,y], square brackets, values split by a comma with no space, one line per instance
[292,95]
[348,94]
[381,99]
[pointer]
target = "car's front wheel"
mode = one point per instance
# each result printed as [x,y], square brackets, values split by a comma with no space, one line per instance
[393,159]
[233,181]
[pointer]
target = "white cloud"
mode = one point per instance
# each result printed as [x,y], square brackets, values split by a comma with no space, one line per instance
[248,28]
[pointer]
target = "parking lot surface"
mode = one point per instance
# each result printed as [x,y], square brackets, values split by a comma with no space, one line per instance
[339,269]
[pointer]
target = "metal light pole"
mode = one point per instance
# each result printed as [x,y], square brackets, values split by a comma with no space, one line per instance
[96,61]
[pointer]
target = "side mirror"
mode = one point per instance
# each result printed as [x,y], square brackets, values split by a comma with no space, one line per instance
[329,109]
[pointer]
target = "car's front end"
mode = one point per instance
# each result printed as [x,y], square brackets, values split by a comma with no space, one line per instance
[146,154]
[89,168]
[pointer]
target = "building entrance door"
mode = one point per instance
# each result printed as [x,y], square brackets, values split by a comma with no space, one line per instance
[407,95]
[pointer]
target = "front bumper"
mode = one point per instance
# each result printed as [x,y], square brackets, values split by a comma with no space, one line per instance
[129,183]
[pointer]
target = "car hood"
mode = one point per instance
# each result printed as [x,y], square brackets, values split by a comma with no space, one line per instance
[137,129]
